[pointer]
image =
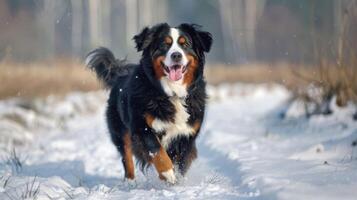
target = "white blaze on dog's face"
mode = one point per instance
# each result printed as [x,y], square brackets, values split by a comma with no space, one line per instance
[177,54]
[175,57]
[175,60]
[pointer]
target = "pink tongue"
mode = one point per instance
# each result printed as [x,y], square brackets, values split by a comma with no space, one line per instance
[175,75]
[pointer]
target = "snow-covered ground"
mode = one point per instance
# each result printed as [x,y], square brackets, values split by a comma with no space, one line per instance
[60,149]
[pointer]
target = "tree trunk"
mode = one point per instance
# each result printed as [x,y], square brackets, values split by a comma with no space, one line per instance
[77,27]
[94,19]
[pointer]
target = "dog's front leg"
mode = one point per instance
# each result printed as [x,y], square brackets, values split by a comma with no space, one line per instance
[159,157]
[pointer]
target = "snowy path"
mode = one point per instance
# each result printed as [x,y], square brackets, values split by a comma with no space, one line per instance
[245,152]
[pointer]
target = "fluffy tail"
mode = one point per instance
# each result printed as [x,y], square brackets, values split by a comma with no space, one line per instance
[107,68]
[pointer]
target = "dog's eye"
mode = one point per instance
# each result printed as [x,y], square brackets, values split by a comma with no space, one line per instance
[183,42]
[167,41]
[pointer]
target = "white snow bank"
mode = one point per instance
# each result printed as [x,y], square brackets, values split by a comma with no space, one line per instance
[21,119]
[291,158]
[246,150]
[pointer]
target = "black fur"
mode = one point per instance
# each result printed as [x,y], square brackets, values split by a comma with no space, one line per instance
[108,69]
[135,91]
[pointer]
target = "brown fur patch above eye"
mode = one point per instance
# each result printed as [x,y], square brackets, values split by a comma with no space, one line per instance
[158,69]
[128,157]
[191,70]
[168,40]
[182,40]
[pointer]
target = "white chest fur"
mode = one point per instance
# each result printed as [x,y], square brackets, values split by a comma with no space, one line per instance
[177,128]
[173,88]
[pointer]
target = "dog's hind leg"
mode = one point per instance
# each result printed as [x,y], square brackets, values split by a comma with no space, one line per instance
[123,145]
[127,157]
[121,138]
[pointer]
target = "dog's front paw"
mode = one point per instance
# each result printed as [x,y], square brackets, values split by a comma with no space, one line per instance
[168,176]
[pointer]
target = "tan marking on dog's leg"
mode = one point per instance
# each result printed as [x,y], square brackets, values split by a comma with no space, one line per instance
[128,157]
[164,166]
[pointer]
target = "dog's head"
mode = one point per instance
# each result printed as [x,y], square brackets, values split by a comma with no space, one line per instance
[175,53]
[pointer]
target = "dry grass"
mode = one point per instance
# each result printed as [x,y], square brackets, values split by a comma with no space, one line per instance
[282,73]
[42,79]
[59,78]
[339,79]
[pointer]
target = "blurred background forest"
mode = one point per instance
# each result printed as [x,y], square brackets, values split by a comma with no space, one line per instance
[251,38]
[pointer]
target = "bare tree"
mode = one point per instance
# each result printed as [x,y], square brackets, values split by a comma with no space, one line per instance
[94,20]
[105,27]
[77,26]
[47,18]
[131,20]
[239,21]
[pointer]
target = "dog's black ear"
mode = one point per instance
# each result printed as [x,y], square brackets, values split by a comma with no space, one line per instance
[142,40]
[147,35]
[203,38]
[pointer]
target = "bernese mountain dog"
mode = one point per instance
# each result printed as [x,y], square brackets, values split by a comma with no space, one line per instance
[156,108]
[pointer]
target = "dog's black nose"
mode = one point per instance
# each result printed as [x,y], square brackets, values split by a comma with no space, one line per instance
[176,56]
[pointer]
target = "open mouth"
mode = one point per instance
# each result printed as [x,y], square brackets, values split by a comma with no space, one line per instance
[175,72]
